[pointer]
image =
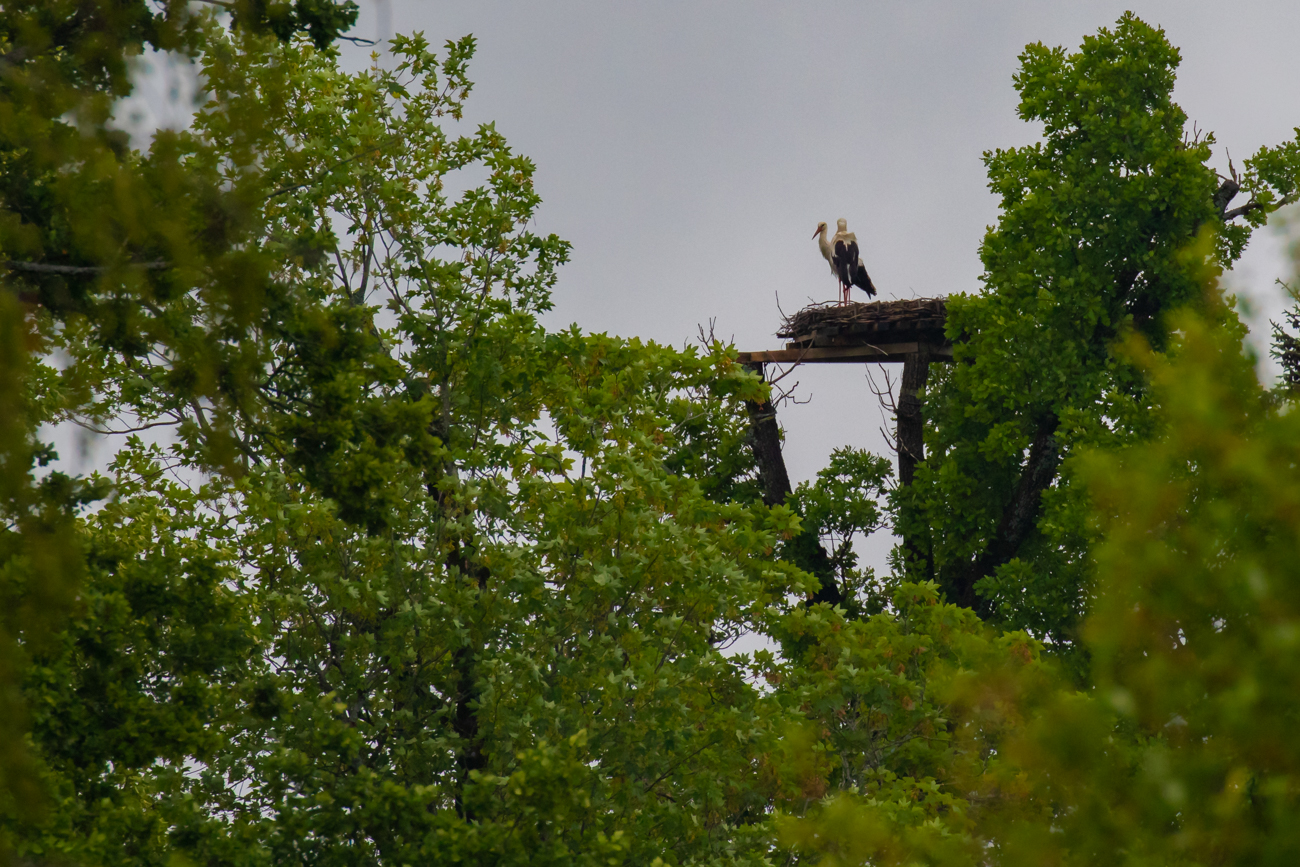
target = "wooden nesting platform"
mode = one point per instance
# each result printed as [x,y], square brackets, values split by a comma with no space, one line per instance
[876,331]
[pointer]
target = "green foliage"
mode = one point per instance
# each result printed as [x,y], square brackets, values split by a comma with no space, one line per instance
[1110,222]
[1182,752]
[844,504]
[1286,345]
[429,669]
[713,443]
[1273,179]
[104,242]
[134,689]
[418,581]
[1170,499]
[40,562]
[324,21]
[894,697]
[1191,634]
[450,572]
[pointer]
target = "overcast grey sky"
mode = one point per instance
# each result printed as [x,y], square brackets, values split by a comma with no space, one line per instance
[688,149]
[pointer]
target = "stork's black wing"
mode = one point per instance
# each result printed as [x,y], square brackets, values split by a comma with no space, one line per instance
[844,261]
[862,279]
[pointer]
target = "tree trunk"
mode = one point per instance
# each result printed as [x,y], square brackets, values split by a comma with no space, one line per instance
[765,440]
[470,756]
[910,436]
[806,549]
[911,426]
[1019,516]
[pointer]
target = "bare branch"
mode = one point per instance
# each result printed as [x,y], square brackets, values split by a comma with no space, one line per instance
[885,401]
[47,268]
[884,395]
[85,425]
[707,338]
[890,439]
[793,365]
[781,396]
[1254,205]
[783,375]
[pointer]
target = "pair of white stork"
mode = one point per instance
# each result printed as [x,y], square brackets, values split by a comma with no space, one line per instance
[841,253]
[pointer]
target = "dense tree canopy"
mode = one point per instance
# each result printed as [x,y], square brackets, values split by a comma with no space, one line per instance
[1109,223]
[384,572]
[86,227]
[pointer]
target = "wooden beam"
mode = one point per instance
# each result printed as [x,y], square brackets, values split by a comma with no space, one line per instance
[886,353]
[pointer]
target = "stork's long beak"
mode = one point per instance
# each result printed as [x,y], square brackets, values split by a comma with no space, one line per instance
[817,231]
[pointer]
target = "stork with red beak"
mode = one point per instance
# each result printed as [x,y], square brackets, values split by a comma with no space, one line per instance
[841,253]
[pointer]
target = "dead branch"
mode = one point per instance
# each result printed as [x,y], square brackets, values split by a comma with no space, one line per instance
[1254,205]
[885,401]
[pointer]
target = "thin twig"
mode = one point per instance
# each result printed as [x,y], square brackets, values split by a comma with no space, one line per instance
[127,430]
[885,400]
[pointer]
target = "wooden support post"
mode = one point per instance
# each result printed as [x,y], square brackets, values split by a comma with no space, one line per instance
[765,439]
[908,332]
[911,425]
[910,435]
[805,549]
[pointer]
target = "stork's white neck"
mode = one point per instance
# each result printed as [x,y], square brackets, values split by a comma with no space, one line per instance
[823,244]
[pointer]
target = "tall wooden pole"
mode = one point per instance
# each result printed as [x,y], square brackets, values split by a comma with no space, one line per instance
[765,439]
[911,425]
[806,548]
[911,451]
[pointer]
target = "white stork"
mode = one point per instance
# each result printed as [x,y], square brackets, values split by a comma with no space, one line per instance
[841,253]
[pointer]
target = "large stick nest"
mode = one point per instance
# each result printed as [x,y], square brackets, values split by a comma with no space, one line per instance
[915,314]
